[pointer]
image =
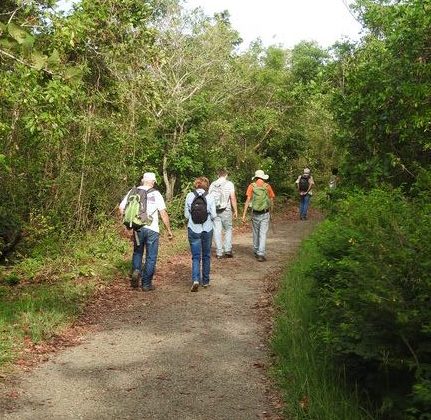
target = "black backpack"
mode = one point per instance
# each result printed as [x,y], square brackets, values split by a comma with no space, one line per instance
[304,183]
[198,208]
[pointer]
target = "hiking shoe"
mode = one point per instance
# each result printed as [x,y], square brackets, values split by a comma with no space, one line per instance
[261,258]
[195,286]
[219,257]
[148,288]
[205,286]
[134,281]
[228,254]
[256,256]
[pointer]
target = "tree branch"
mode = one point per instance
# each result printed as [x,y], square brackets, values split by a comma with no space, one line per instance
[5,53]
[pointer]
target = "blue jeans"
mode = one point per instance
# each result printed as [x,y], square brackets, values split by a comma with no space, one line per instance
[149,240]
[223,221]
[304,201]
[200,245]
[260,225]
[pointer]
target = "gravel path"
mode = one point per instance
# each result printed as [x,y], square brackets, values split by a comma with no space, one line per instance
[169,354]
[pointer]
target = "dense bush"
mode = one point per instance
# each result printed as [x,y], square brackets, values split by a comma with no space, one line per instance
[372,291]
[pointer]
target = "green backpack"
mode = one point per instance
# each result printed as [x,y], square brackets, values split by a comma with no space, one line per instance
[135,213]
[260,200]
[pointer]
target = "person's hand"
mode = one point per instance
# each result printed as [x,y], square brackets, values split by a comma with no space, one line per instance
[170,235]
[235,215]
[243,219]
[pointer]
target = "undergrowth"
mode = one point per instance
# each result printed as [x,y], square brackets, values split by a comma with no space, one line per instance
[313,388]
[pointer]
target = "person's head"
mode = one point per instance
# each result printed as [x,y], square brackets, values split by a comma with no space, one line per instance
[307,171]
[222,173]
[149,179]
[201,182]
[259,174]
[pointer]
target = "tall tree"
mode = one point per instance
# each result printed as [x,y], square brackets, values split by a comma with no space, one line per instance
[383,103]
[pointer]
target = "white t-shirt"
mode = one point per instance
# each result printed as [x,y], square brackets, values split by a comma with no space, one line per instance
[155,203]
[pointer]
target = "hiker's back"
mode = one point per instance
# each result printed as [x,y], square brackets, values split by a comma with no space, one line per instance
[304,183]
[135,213]
[199,208]
[221,191]
[260,200]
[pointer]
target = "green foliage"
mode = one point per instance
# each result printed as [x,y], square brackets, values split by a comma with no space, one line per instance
[371,290]
[314,388]
[382,101]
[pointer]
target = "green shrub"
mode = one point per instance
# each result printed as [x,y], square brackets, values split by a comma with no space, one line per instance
[11,279]
[372,290]
[314,388]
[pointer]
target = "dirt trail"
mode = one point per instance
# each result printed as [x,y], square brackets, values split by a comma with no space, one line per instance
[169,354]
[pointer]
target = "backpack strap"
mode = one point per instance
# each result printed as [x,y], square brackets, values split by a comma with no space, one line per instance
[203,195]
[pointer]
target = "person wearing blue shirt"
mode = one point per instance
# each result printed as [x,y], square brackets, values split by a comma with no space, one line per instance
[200,234]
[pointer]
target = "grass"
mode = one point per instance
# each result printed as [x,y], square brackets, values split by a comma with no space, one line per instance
[312,387]
[43,294]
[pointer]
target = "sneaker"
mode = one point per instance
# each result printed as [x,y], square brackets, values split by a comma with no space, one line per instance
[256,256]
[228,254]
[195,286]
[261,258]
[205,286]
[219,257]
[134,281]
[148,288]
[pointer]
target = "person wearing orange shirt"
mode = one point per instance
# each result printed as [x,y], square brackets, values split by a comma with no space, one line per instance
[260,197]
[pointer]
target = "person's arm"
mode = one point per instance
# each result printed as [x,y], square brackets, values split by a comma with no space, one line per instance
[165,218]
[271,196]
[247,202]
[186,208]
[297,185]
[310,184]
[234,204]
[123,203]
[212,208]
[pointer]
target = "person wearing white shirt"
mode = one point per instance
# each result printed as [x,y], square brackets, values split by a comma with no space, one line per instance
[147,237]
[224,195]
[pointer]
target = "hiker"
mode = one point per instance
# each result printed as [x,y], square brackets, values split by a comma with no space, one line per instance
[200,211]
[223,192]
[261,196]
[304,184]
[147,236]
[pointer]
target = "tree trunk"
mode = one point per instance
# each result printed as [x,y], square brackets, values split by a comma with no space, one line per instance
[169,180]
[86,139]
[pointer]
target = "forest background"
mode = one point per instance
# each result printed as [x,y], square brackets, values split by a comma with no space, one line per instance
[91,99]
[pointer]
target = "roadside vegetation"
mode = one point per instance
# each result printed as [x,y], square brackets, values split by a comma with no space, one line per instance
[353,335]
[93,98]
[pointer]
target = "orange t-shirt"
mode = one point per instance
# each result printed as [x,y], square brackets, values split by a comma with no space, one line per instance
[260,183]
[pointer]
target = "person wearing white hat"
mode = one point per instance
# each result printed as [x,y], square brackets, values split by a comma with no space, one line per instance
[304,184]
[261,197]
[147,237]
